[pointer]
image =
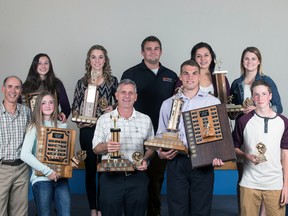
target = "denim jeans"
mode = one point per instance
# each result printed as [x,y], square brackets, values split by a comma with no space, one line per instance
[47,192]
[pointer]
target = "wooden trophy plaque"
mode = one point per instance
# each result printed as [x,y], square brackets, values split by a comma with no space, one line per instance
[89,107]
[55,149]
[170,139]
[115,161]
[208,135]
[30,100]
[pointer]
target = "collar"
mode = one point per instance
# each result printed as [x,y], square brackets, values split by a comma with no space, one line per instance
[181,95]
[116,113]
[143,65]
[3,109]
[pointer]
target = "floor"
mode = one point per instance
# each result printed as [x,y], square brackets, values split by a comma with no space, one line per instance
[222,206]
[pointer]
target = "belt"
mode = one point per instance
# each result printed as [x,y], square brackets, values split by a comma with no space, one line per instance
[124,173]
[15,162]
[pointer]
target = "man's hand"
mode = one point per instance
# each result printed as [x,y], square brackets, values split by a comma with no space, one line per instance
[113,146]
[217,162]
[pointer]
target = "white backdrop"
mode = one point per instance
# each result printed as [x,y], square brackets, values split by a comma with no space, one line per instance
[66,29]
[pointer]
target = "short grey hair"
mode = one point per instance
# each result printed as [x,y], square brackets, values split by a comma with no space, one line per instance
[126,82]
[12,76]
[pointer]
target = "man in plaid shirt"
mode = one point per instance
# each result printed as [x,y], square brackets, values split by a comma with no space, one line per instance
[14,174]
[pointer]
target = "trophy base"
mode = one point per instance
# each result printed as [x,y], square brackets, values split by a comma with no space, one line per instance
[115,165]
[168,141]
[84,119]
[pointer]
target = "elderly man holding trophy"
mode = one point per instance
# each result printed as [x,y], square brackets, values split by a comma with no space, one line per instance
[119,137]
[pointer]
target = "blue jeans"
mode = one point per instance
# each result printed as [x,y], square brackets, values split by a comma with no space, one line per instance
[45,192]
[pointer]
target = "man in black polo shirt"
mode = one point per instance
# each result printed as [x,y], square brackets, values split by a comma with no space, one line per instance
[155,83]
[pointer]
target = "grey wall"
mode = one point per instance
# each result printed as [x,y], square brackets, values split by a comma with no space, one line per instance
[66,29]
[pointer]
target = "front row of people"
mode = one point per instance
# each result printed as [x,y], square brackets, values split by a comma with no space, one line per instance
[262,132]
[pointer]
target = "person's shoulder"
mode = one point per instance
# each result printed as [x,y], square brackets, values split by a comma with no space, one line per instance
[23,108]
[245,118]
[167,70]
[266,78]
[134,68]
[142,115]
[210,97]
[237,80]
[284,118]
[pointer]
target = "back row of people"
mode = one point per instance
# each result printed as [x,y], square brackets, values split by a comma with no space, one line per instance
[155,83]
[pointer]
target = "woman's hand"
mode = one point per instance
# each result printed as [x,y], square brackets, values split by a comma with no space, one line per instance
[53,176]
[62,117]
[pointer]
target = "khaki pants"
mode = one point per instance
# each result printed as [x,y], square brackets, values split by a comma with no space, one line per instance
[14,190]
[250,202]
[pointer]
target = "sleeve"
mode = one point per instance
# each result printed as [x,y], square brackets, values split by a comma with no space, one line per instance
[114,89]
[63,100]
[276,99]
[237,134]
[78,96]
[227,87]
[150,134]
[99,133]
[284,140]
[27,155]
[233,93]
[164,117]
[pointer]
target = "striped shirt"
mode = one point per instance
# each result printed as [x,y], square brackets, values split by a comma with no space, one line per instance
[12,131]
[134,131]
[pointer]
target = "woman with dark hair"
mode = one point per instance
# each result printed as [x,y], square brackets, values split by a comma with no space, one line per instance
[204,55]
[41,77]
[97,61]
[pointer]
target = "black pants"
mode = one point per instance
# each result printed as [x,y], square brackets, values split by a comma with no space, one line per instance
[86,137]
[189,191]
[123,194]
[155,171]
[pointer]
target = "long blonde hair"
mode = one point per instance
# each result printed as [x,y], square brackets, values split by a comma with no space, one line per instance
[37,116]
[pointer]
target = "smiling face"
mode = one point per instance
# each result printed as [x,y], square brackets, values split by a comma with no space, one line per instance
[261,97]
[11,90]
[190,77]
[152,52]
[126,96]
[97,59]
[203,57]
[250,62]
[47,106]
[43,67]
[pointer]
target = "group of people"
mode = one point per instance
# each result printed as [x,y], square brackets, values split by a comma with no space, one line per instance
[142,102]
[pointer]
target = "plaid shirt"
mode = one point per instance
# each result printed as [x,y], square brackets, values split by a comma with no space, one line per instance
[134,131]
[12,131]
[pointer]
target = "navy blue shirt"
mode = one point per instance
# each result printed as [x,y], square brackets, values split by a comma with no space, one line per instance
[152,89]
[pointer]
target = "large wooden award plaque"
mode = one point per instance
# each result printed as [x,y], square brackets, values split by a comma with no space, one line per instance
[208,135]
[55,149]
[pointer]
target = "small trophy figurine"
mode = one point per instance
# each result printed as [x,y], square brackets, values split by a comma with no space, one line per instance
[261,148]
[137,159]
[79,157]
